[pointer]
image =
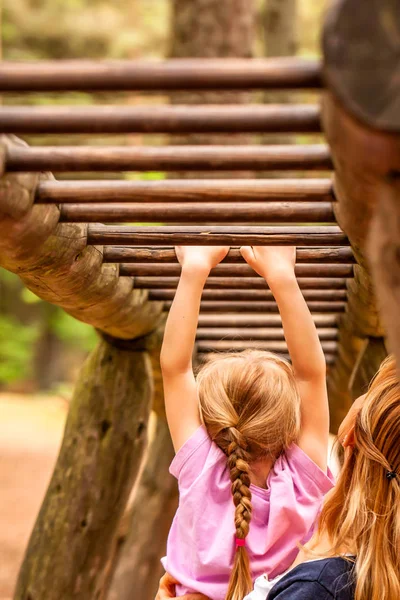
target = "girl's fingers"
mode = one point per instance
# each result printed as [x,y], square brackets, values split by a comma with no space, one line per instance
[248,253]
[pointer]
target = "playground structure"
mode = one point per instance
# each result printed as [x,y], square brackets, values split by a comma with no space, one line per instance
[68,242]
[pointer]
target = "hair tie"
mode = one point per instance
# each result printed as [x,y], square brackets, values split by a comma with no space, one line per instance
[239,542]
[391,475]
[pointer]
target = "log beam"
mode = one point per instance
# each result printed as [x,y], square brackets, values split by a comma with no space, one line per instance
[189,191]
[216,235]
[299,118]
[167,255]
[255,333]
[55,263]
[361,120]
[228,270]
[250,295]
[170,158]
[262,307]
[248,212]
[177,74]
[259,320]
[272,346]
[240,283]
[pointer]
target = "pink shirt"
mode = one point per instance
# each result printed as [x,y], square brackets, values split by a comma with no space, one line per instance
[201,545]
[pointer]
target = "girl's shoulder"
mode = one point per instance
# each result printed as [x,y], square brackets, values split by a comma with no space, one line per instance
[297,469]
[323,579]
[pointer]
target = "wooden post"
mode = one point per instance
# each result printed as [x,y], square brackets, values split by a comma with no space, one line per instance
[139,569]
[361,119]
[101,452]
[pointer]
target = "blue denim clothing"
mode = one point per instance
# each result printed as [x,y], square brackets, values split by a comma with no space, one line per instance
[328,579]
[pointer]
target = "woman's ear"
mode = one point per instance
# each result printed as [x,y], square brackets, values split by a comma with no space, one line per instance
[348,440]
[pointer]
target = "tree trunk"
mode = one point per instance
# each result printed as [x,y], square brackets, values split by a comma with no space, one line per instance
[156,500]
[279,28]
[101,453]
[212,29]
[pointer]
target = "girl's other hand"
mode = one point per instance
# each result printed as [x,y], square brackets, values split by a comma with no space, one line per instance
[166,590]
[204,258]
[271,262]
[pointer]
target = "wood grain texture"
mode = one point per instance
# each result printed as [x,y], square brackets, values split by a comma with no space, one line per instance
[258,320]
[54,261]
[249,294]
[104,440]
[186,191]
[161,119]
[235,270]
[254,333]
[217,236]
[166,158]
[240,283]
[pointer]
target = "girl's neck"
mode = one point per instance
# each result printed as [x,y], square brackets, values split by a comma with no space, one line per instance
[259,471]
[320,548]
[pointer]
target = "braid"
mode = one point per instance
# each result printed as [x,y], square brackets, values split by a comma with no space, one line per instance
[240,583]
[238,462]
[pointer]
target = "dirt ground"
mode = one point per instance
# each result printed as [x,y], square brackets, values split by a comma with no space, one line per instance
[30,434]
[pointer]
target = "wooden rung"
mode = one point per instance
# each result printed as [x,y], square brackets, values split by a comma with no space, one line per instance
[250,294]
[262,307]
[255,333]
[176,119]
[128,254]
[169,158]
[242,283]
[254,212]
[175,74]
[216,235]
[259,320]
[272,346]
[203,356]
[236,270]
[190,191]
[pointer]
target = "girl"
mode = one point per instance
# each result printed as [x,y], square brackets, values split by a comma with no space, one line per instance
[356,549]
[251,429]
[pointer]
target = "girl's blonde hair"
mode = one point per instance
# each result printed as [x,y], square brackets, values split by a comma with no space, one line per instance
[362,513]
[250,405]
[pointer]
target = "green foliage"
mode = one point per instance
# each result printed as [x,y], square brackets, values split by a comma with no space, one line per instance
[72,332]
[16,349]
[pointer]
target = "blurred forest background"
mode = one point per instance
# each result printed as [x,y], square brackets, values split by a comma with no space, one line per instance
[40,346]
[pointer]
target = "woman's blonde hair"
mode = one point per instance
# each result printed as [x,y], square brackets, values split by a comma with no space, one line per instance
[362,513]
[250,405]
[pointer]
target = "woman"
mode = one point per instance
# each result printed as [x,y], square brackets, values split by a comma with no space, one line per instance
[355,554]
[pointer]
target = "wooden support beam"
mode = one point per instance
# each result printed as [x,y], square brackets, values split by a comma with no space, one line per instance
[248,212]
[169,158]
[188,191]
[176,74]
[262,307]
[240,283]
[228,270]
[368,362]
[54,262]
[249,295]
[255,333]
[361,116]
[167,255]
[104,440]
[259,320]
[299,118]
[272,346]
[217,236]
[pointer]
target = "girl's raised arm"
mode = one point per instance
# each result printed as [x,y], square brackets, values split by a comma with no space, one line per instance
[276,265]
[180,391]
